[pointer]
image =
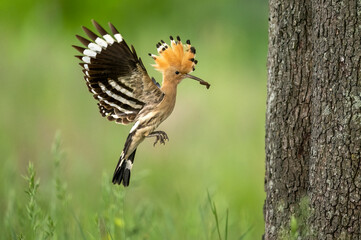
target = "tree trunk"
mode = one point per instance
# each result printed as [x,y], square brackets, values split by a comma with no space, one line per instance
[313,120]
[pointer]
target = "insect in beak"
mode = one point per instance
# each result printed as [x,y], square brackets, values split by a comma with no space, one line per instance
[198,79]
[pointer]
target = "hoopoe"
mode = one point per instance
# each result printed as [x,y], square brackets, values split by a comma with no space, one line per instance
[119,81]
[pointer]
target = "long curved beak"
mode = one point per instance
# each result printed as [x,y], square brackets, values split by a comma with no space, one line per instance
[199,80]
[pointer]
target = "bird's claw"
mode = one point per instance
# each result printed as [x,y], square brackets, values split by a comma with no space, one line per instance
[161,137]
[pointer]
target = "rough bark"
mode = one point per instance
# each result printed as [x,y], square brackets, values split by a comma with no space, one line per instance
[313,120]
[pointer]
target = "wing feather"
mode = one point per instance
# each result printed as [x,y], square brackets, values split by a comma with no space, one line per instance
[115,75]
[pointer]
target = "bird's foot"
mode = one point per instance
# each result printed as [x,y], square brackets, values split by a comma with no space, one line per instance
[160,137]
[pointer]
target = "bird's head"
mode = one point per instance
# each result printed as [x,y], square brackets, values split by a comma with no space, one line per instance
[176,61]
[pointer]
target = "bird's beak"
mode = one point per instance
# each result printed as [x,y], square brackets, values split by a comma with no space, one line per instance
[199,80]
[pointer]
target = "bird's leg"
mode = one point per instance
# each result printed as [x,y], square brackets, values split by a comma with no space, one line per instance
[160,136]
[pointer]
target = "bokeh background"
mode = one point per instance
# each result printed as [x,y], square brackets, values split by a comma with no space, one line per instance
[216,148]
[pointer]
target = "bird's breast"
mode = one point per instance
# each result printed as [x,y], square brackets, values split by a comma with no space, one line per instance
[166,107]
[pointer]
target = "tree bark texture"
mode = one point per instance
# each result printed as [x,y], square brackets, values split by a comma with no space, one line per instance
[313,120]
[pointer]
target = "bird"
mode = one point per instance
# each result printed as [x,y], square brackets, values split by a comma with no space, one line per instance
[126,94]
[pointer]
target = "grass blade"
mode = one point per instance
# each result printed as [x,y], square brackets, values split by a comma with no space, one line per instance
[214,211]
[226,227]
[79,225]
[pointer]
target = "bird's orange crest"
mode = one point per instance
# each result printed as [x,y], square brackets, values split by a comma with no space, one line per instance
[179,56]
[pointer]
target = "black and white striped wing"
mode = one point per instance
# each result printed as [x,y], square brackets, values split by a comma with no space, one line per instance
[116,76]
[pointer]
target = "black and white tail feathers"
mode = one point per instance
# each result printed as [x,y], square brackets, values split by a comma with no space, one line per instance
[124,166]
[122,171]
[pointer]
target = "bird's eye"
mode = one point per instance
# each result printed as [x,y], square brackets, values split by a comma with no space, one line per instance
[177,72]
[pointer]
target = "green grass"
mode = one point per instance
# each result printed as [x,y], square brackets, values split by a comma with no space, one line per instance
[52,215]
[215,214]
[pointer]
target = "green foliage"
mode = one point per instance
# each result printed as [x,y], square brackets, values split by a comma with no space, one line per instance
[55,221]
[50,229]
[294,227]
[32,207]
[215,214]
[111,219]
[60,185]
[39,224]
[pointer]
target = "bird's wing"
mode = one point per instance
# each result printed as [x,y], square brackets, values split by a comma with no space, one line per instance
[116,76]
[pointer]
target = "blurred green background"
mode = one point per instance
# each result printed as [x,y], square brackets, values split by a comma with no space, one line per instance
[216,136]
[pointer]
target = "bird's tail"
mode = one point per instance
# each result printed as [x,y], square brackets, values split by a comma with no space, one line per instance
[122,170]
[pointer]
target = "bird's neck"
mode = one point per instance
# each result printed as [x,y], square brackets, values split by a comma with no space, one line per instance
[169,88]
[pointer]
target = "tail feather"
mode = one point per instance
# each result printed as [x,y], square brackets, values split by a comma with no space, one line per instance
[122,171]
[126,178]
